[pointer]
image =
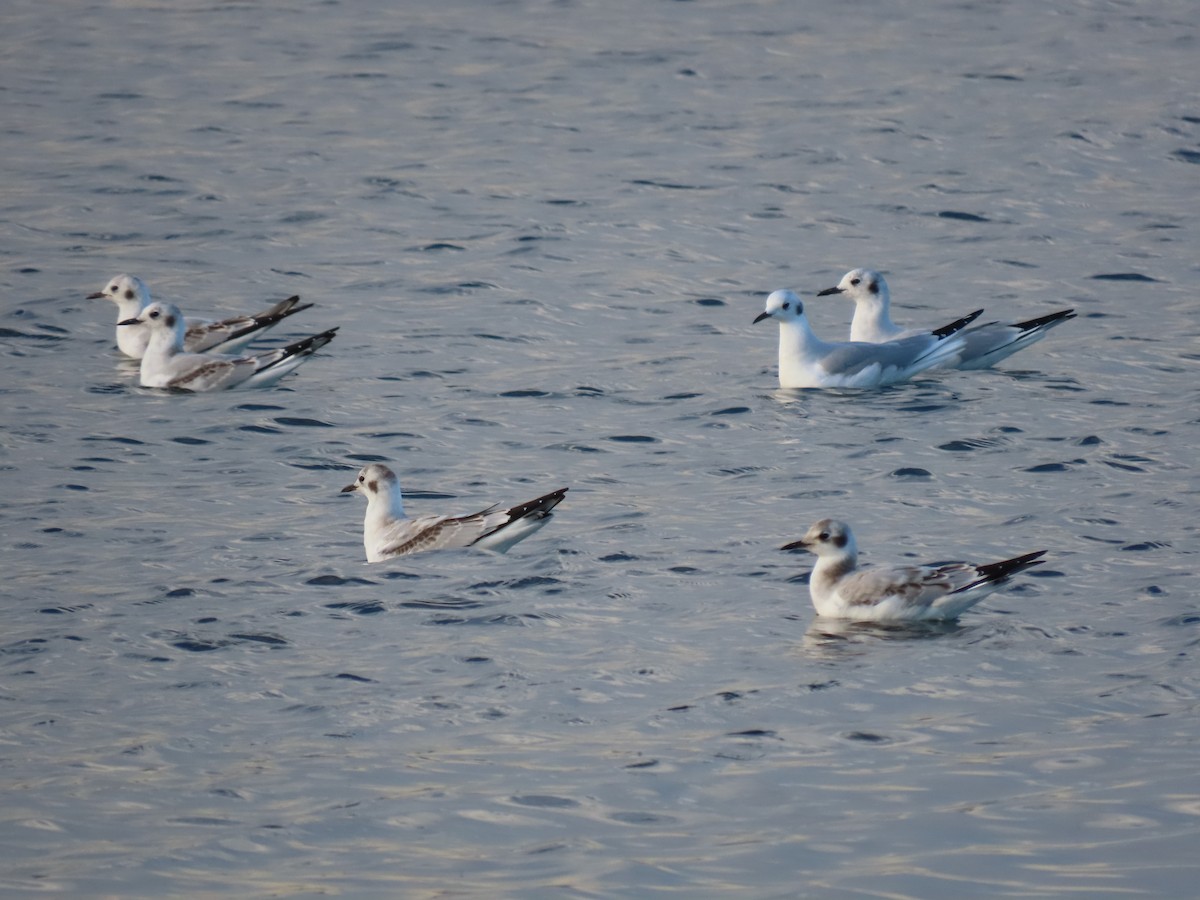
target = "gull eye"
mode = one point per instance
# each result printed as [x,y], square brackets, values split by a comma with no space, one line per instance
[856,281]
[154,315]
[787,306]
[362,478]
[823,536]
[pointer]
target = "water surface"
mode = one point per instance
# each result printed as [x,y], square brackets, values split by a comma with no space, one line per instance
[544,229]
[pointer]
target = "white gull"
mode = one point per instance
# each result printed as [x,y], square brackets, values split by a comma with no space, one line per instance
[388,532]
[167,365]
[226,335]
[985,345]
[806,361]
[840,590]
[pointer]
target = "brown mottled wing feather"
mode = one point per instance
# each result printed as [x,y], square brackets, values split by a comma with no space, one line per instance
[437,532]
[203,335]
[417,541]
[216,372]
[925,585]
[915,585]
[443,532]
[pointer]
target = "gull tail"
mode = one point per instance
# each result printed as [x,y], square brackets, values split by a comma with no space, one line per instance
[275,364]
[273,316]
[521,521]
[539,508]
[301,348]
[232,334]
[997,573]
[988,344]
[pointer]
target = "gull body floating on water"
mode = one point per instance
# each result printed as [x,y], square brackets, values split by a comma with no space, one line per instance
[841,590]
[985,345]
[226,335]
[388,532]
[166,364]
[806,361]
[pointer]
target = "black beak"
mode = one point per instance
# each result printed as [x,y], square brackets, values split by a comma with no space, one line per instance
[760,317]
[795,545]
[134,321]
[348,488]
[828,291]
[95,296]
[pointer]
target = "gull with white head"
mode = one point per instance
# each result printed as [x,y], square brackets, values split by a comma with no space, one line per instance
[388,532]
[166,364]
[226,335]
[984,345]
[806,361]
[841,590]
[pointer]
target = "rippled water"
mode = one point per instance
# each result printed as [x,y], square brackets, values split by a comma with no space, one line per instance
[544,229]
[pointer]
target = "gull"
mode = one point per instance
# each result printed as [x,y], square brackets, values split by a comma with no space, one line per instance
[167,365]
[985,345]
[388,533]
[806,361]
[841,590]
[131,296]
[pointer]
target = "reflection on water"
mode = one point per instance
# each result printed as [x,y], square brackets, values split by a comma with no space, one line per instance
[835,634]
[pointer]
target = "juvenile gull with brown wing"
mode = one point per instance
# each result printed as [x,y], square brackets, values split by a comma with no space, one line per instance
[388,532]
[841,590]
[226,335]
[167,365]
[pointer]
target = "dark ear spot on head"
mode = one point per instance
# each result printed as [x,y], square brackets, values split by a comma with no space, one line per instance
[840,541]
[873,286]
[373,486]
[128,293]
[170,320]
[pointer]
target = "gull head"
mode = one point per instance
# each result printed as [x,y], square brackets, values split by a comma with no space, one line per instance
[373,479]
[827,538]
[160,318]
[784,306]
[860,285]
[127,291]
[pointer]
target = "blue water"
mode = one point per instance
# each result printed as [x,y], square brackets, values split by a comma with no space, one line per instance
[544,230]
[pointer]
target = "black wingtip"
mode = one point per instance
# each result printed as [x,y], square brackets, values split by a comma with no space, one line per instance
[541,506]
[1047,321]
[285,308]
[957,325]
[306,345]
[269,317]
[277,313]
[998,571]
